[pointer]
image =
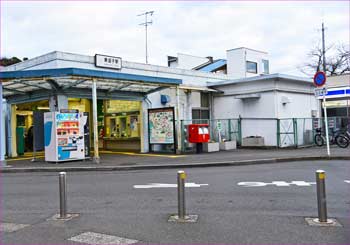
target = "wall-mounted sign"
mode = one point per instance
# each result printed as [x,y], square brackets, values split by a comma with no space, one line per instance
[161,125]
[108,61]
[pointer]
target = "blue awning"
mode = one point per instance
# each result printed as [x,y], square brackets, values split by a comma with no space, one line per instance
[60,72]
[79,81]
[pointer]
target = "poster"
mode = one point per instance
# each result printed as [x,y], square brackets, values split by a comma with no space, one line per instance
[161,125]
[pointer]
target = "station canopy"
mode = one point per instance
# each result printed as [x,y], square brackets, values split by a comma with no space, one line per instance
[32,85]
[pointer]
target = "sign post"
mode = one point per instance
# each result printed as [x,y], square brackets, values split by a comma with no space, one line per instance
[219,127]
[319,81]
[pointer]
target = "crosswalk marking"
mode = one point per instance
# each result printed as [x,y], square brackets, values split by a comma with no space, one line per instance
[100,239]
[11,227]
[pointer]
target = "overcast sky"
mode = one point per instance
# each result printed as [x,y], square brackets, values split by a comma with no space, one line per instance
[286,30]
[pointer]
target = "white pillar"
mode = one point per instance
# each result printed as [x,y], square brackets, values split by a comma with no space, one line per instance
[178,123]
[94,119]
[144,126]
[58,102]
[2,131]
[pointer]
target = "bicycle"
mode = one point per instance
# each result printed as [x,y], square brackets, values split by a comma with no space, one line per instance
[343,140]
[320,139]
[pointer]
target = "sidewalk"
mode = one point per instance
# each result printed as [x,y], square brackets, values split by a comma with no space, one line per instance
[135,161]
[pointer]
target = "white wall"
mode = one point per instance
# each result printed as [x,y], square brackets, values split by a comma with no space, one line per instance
[186,61]
[269,105]
[236,62]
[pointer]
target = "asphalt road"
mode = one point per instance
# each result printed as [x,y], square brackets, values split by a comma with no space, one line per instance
[229,212]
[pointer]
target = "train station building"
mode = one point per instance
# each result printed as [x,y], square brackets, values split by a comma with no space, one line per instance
[127,102]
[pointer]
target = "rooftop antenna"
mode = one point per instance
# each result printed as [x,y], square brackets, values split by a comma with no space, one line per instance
[146,24]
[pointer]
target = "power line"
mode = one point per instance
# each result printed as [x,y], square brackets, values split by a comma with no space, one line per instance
[146,24]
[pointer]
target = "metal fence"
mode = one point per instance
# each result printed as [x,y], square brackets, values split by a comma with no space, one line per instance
[273,132]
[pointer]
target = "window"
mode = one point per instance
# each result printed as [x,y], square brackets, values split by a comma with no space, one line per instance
[265,66]
[204,100]
[252,67]
[202,113]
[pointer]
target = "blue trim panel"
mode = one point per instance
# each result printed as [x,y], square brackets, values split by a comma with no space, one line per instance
[47,133]
[85,73]
[213,66]
[335,92]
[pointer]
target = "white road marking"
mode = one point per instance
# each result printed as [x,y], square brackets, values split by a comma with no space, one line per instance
[347,181]
[11,227]
[99,238]
[276,183]
[162,185]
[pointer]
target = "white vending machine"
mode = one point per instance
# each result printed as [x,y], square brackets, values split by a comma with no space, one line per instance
[64,136]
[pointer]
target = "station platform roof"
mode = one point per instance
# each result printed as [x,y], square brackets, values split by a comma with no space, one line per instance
[31,85]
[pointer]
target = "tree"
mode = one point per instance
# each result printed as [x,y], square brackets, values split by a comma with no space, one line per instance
[9,61]
[337,60]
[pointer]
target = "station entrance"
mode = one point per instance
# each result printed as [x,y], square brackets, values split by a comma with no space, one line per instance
[114,101]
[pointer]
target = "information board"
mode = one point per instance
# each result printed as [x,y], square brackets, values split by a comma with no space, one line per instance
[161,123]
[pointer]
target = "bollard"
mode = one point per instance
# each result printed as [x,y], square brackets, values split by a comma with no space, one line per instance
[63,195]
[181,176]
[321,196]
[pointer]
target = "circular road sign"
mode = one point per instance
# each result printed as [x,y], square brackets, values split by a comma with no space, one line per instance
[320,78]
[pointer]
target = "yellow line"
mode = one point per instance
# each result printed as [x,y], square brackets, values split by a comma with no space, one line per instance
[22,158]
[103,152]
[139,154]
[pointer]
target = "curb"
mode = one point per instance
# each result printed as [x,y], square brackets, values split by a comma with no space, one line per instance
[170,166]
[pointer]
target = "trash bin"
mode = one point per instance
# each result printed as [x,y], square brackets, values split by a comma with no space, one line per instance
[20,140]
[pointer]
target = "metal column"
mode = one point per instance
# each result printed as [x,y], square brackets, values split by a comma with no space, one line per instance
[94,117]
[63,195]
[181,179]
[2,131]
[321,195]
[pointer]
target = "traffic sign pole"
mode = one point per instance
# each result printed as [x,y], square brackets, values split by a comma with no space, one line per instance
[319,81]
[326,123]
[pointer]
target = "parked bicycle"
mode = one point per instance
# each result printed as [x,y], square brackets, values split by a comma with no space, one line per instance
[343,139]
[320,138]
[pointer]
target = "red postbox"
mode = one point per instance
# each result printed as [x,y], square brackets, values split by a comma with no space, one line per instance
[198,133]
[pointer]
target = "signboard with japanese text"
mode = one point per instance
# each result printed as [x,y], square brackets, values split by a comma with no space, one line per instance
[108,61]
[161,123]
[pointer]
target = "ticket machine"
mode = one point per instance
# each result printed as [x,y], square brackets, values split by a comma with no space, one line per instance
[64,136]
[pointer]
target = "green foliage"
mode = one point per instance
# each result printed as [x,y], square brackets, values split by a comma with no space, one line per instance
[9,61]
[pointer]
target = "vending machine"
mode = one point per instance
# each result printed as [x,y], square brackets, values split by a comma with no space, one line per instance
[64,136]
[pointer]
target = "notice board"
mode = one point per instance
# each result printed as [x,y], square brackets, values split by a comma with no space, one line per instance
[161,125]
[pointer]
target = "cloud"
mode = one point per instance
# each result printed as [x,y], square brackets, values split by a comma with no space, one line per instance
[287,30]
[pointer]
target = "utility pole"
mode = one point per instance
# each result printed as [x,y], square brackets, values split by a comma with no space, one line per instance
[323,50]
[146,24]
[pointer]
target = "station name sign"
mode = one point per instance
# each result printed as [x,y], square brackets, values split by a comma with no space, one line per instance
[108,61]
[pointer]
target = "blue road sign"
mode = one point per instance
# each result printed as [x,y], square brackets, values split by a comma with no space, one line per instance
[319,78]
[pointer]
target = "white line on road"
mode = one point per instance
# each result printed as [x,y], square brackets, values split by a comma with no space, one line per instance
[98,238]
[276,183]
[347,181]
[162,185]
